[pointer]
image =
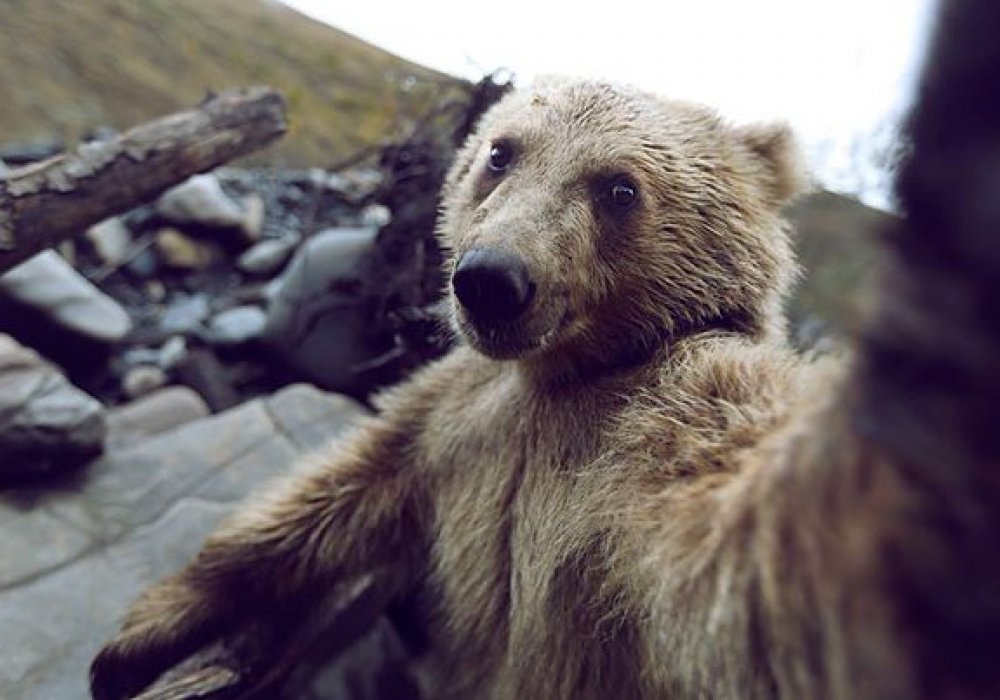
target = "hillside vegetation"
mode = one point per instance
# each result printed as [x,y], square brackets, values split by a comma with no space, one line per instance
[67,66]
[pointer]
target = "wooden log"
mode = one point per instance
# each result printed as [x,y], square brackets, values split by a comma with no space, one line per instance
[46,203]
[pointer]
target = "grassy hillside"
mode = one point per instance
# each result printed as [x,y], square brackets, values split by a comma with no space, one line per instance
[69,65]
[835,240]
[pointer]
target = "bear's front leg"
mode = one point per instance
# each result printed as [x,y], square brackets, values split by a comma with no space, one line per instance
[356,510]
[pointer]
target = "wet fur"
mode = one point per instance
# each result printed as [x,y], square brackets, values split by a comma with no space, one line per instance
[656,498]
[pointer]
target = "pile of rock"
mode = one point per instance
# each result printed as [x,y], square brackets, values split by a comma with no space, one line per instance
[46,424]
[238,282]
[212,285]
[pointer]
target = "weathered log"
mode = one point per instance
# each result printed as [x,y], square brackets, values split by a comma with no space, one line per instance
[278,654]
[45,203]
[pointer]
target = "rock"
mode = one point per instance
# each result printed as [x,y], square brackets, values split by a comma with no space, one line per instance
[155,290]
[268,256]
[253,216]
[47,282]
[23,154]
[377,215]
[140,356]
[317,177]
[201,200]
[236,325]
[144,265]
[3,168]
[185,314]
[291,195]
[111,240]
[166,357]
[71,560]
[337,182]
[159,412]
[67,251]
[46,424]
[99,134]
[295,410]
[143,380]
[355,184]
[172,353]
[180,252]
[318,319]
[204,372]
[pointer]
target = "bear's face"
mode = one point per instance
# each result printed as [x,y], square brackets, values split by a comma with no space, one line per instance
[592,222]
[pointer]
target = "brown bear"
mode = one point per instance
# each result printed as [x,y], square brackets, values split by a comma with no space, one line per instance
[622,484]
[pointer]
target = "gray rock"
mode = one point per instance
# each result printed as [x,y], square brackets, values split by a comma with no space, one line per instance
[20,154]
[355,184]
[318,320]
[155,290]
[141,356]
[296,410]
[72,560]
[172,353]
[318,177]
[67,251]
[46,424]
[185,314]
[99,134]
[160,412]
[335,182]
[200,200]
[166,357]
[377,215]
[254,212]
[111,240]
[61,294]
[143,380]
[144,265]
[268,256]
[236,325]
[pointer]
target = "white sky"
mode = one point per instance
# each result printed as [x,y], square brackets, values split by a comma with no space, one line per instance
[835,69]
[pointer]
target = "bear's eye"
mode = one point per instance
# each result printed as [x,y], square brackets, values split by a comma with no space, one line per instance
[501,155]
[622,194]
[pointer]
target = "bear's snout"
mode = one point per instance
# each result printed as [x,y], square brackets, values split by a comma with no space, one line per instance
[493,285]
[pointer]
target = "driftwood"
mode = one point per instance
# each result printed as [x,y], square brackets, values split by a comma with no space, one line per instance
[277,655]
[44,204]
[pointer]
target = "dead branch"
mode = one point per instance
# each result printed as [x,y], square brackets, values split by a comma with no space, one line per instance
[43,204]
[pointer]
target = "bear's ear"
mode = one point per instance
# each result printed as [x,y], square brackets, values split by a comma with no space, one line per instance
[777,158]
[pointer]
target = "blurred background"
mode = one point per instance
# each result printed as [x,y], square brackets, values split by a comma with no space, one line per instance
[158,365]
[842,73]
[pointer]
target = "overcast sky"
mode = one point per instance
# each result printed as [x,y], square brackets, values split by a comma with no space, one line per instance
[835,69]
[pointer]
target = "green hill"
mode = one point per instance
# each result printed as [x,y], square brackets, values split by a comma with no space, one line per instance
[70,65]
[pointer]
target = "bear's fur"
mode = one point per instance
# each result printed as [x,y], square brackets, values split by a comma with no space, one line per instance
[635,490]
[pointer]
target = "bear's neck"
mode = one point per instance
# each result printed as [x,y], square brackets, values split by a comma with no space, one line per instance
[610,360]
[576,366]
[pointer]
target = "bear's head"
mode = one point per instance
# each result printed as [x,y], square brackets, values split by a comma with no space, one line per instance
[588,224]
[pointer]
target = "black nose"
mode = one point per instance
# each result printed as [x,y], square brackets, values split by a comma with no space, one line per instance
[493,285]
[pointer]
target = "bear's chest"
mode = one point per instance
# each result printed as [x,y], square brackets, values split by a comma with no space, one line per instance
[514,536]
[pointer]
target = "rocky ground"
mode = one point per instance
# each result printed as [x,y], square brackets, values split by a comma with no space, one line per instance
[76,550]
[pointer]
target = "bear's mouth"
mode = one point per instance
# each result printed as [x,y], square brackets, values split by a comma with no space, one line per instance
[513,340]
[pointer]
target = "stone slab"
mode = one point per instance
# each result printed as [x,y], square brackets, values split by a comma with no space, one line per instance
[73,557]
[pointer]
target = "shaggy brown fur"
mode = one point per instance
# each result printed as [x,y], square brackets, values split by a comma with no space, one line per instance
[634,490]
